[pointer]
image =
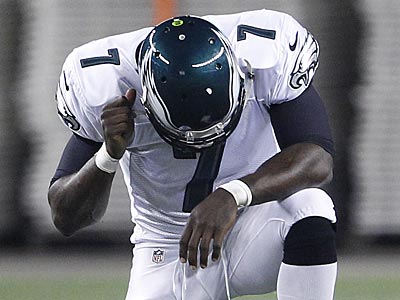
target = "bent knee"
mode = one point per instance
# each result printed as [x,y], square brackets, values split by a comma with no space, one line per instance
[310,241]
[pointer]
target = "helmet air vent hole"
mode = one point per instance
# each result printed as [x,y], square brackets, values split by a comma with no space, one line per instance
[164,79]
[209,91]
[167,29]
[211,41]
[218,66]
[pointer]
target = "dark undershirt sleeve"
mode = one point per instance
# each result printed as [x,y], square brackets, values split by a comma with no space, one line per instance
[303,119]
[76,153]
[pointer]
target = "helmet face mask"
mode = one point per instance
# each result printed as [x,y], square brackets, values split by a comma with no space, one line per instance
[193,88]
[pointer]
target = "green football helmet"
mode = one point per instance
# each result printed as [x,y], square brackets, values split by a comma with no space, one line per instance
[193,88]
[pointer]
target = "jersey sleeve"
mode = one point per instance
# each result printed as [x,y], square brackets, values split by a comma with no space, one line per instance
[72,106]
[298,62]
[282,53]
[94,75]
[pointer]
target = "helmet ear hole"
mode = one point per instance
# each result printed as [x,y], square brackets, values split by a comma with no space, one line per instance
[163,79]
[218,66]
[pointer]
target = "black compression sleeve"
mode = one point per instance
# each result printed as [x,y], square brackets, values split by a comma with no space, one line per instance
[303,119]
[76,153]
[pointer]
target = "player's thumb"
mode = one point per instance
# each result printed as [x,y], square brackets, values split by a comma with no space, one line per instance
[130,95]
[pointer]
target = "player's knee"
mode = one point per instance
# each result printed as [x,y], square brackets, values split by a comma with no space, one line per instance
[310,241]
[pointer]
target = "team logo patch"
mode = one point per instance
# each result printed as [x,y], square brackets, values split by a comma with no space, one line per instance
[306,64]
[158,256]
[64,112]
[292,47]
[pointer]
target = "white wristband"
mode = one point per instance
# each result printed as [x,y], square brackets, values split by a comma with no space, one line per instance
[104,161]
[240,192]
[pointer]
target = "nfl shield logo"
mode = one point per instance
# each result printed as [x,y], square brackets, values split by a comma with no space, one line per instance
[158,256]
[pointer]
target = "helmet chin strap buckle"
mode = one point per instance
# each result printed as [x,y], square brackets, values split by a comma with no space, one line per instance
[189,136]
[219,128]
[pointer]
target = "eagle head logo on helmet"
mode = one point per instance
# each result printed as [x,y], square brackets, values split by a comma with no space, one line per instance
[193,88]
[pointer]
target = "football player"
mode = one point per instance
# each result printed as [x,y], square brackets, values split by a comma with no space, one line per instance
[224,145]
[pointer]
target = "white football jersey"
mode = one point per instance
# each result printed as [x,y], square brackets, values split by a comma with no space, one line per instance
[284,58]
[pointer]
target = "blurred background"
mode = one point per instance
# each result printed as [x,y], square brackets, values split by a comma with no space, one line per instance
[358,79]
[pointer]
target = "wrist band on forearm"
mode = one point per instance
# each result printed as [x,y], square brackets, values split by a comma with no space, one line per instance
[104,161]
[240,192]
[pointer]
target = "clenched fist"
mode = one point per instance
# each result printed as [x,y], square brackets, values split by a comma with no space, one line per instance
[117,120]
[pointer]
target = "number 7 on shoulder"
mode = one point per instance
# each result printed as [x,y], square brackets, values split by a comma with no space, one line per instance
[112,58]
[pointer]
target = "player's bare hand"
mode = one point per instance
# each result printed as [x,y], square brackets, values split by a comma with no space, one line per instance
[209,221]
[118,125]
